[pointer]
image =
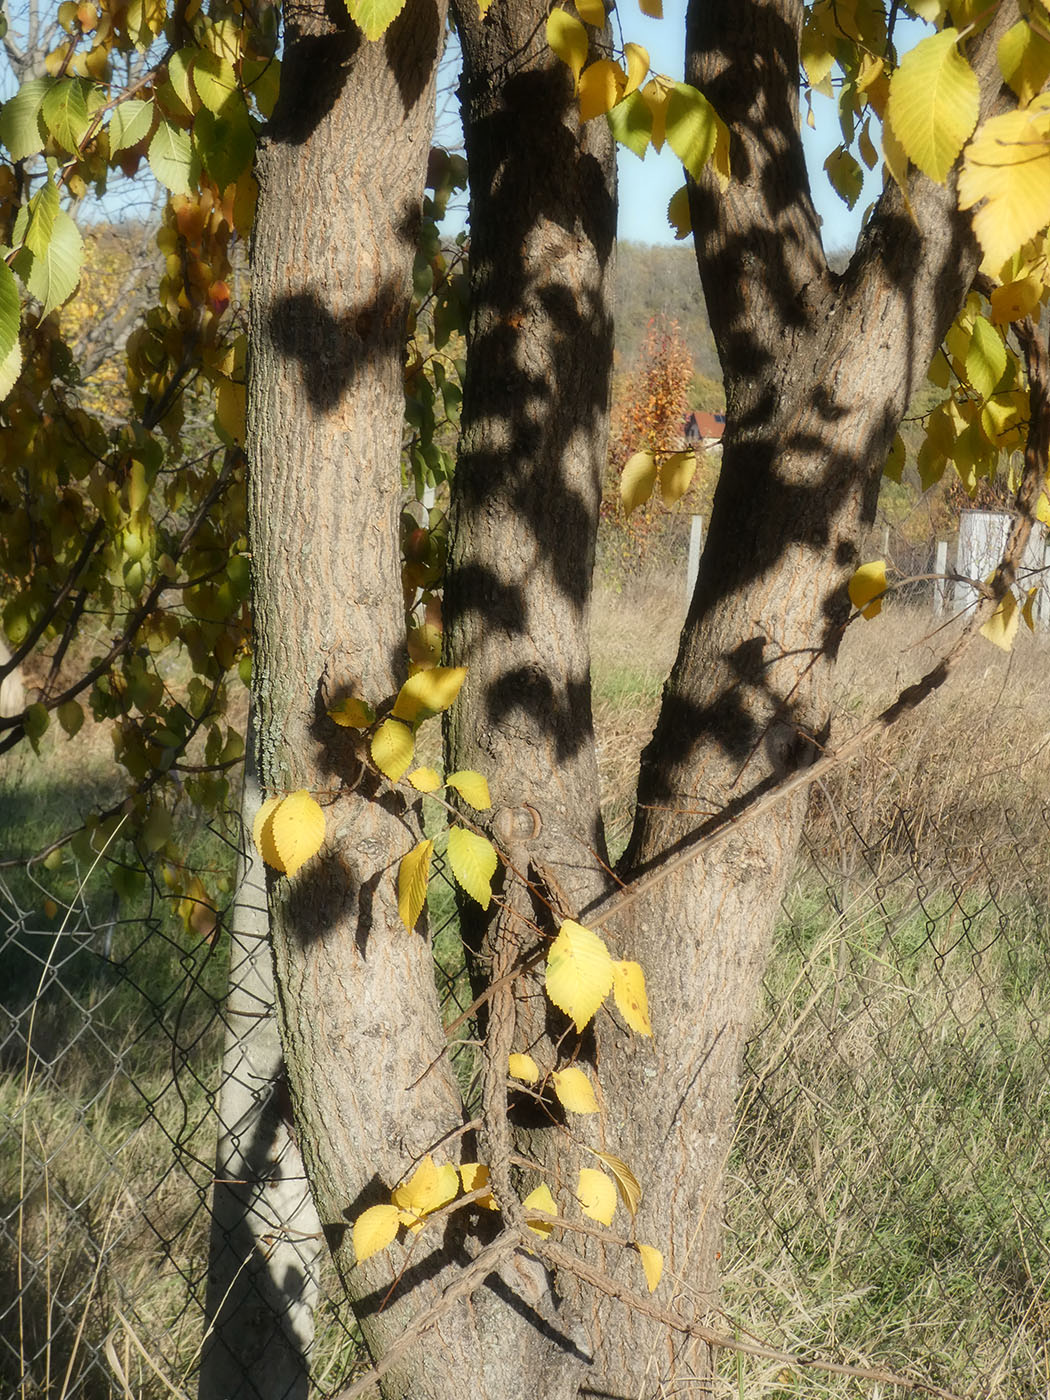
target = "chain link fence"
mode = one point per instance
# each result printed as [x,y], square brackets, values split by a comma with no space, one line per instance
[888,1203]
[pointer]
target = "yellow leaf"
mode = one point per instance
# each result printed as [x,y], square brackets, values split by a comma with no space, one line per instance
[679,215]
[591,12]
[425,779]
[231,410]
[523,1067]
[428,1188]
[1029,604]
[985,358]
[568,38]
[428,692]
[652,1263]
[1001,627]
[475,1175]
[1007,166]
[676,475]
[1015,301]
[934,100]
[596,1194]
[473,787]
[1024,60]
[297,828]
[262,833]
[579,972]
[626,1181]
[601,86]
[629,991]
[653,8]
[637,66]
[657,96]
[895,156]
[352,713]
[473,861]
[541,1199]
[866,587]
[412,877]
[637,480]
[574,1090]
[374,1229]
[392,748]
[894,468]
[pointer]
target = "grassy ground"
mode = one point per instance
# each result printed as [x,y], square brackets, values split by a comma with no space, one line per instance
[887,1190]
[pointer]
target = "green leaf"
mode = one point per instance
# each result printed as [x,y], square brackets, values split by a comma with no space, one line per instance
[473,861]
[52,276]
[65,113]
[37,720]
[691,127]
[934,100]
[172,159]
[374,16]
[20,129]
[986,358]
[10,369]
[226,144]
[894,468]
[631,123]
[10,315]
[180,67]
[36,220]
[130,123]
[215,81]
[70,716]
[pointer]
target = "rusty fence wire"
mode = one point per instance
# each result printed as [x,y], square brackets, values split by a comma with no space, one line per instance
[889,1193]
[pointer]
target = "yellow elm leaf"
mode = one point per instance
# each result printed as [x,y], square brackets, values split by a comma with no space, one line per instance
[574,1090]
[262,833]
[691,127]
[629,991]
[654,9]
[679,215]
[568,38]
[626,1181]
[392,748]
[425,779]
[579,972]
[374,16]
[541,1199]
[1024,60]
[231,409]
[676,475]
[428,1188]
[637,480]
[523,1067]
[473,861]
[591,12]
[428,692]
[471,786]
[894,468]
[1029,604]
[985,358]
[866,587]
[596,1194]
[1015,301]
[352,713]
[934,100]
[652,1263]
[1001,627]
[602,84]
[475,1175]
[1007,166]
[297,828]
[374,1229]
[637,67]
[412,877]
[657,95]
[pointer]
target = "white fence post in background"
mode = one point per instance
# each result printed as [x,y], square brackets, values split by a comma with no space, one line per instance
[940,583]
[696,546]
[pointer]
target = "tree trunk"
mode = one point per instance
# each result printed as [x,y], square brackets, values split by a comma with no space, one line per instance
[265,1240]
[341,173]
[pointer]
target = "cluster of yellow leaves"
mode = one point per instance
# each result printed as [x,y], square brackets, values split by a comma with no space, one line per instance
[641,114]
[675,473]
[581,972]
[425,694]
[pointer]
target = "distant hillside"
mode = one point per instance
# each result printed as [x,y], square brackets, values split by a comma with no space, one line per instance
[654,281]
